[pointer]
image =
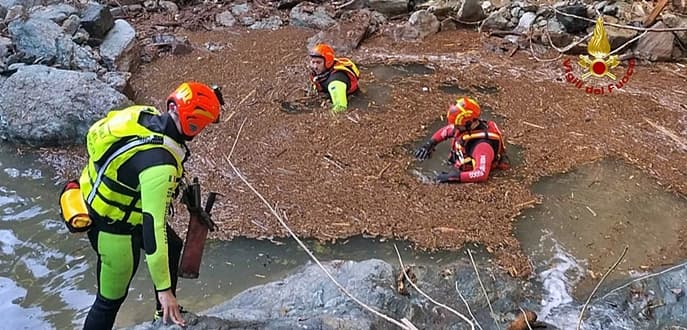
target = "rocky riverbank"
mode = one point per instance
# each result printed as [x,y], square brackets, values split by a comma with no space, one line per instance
[308,299]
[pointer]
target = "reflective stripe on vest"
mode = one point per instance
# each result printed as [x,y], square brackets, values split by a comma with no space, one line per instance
[491,133]
[168,142]
[110,143]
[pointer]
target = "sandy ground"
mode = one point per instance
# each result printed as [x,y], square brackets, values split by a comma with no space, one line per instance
[348,175]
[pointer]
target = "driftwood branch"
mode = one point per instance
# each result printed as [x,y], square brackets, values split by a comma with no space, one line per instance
[467,306]
[491,309]
[584,307]
[472,325]
[684,264]
[237,138]
[654,13]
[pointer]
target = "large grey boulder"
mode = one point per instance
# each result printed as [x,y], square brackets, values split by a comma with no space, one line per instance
[97,20]
[307,299]
[674,21]
[225,18]
[270,23]
[349,31]
[119,49]
[572,24]
[656,46]
[389,7]
[42,40]
[44,106]
[308,14]
[56,13]
[471,11]
[420,25]
[497,20]
[368,280]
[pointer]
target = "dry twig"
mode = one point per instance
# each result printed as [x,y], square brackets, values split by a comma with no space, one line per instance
[237,138]
[584,307]
[524,315]
[467,306]
[472,325]
[491,309]
[247,96]
[342,6]
[533,125]
[684,264]
[379,176]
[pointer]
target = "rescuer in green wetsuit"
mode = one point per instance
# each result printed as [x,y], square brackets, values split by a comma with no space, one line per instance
[335,76]
[135,164]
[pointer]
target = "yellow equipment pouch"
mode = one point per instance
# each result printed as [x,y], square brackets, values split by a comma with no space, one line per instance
[73,208]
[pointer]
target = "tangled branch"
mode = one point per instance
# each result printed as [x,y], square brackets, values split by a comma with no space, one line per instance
[472,325]
[584,307]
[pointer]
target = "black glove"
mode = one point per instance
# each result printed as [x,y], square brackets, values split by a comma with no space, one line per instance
[425,151]
[444,177]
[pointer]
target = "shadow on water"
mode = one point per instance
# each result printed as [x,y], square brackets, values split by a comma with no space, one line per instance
[47,275]
[427,170]
[376,83]
[588,216]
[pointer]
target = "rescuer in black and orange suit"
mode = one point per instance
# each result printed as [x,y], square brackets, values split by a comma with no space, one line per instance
[477,145]
[336,76]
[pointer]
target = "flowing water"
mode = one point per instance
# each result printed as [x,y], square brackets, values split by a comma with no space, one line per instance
[47,275]
[587,218]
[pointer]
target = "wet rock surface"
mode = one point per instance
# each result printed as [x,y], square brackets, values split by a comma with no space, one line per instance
[44,106]
[309,299]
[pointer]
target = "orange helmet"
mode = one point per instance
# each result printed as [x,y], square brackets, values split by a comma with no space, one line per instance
[463,111]
[325,52]
[197,104]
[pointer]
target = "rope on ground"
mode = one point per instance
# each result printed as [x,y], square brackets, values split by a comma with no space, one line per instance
[468,307]
[403,325]
[472,325]
[493,315]
[575,43]
[534,54]
[231,152]
[281,221]
[629,42]
[684,264]
[584,307]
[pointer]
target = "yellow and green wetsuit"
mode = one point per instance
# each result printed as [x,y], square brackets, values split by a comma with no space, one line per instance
[339,81]
[135,163]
